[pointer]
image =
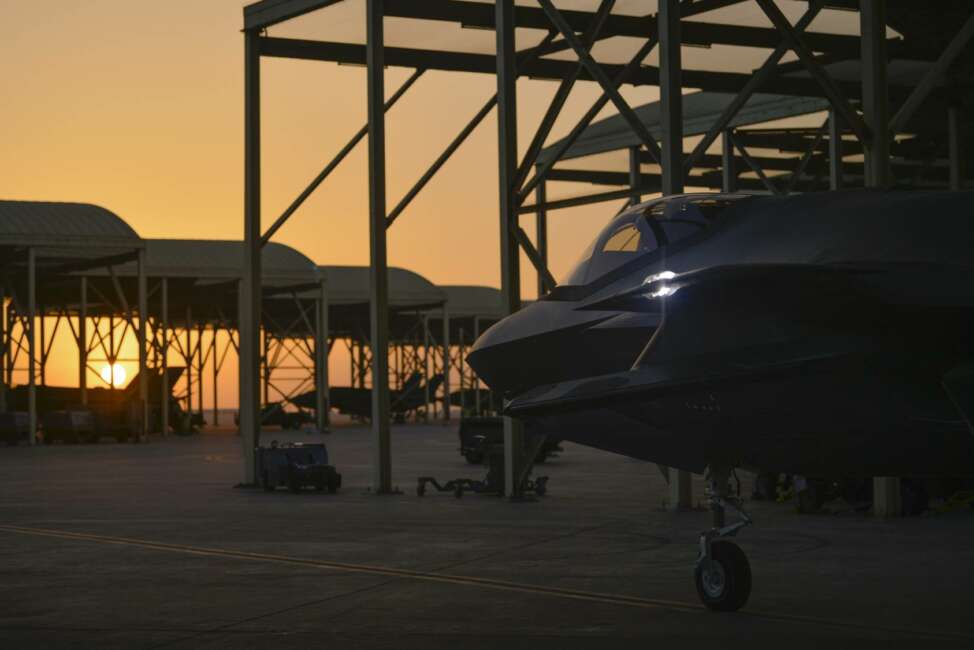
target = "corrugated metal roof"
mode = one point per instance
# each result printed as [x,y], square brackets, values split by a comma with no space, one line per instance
[465,301]
[51,224]
[349,285]
[700,111]
[223,259]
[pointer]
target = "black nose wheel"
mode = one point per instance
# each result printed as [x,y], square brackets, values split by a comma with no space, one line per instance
[723,577]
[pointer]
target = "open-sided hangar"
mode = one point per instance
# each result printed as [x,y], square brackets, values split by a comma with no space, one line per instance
[880,119]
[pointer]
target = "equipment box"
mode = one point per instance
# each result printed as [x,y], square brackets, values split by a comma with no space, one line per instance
[13,427]
[296,466]
[69,426]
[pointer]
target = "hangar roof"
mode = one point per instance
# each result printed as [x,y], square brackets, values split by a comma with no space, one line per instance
[59,225]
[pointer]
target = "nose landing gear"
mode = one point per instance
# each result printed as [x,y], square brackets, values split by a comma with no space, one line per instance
[723,574]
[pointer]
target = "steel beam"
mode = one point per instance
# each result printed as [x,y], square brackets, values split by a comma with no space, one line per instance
[817,72]
[755,166]
[758,79]
[875,105]
[3,347]
[635,177]
[250,289]
[835,151]
[83,342]
[441,160]
[933,76]
[142,333]
[263,14]
[446,364]
[597,73]
[336,161]
[541,238]
[727,169]
[579,128]
[544,68]
[164,397]
[875,98]
[378,263]
[322,383]
[31,346]
[671,97]
[507,154]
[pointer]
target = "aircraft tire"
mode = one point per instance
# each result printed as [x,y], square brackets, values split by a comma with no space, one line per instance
[725,585]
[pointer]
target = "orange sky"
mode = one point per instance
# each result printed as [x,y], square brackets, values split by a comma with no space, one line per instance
[138,106]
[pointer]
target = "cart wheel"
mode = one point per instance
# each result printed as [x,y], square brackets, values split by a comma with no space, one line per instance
[420,489]
[724,580]
[540,488]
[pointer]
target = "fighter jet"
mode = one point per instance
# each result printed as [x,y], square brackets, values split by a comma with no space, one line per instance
[821,334]
[358,401]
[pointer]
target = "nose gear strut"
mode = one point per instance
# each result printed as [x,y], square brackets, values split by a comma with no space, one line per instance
[723,574]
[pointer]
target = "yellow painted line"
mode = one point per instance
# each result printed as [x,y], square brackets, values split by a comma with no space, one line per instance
[487,583]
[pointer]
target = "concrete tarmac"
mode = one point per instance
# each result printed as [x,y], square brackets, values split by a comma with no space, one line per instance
[151,546]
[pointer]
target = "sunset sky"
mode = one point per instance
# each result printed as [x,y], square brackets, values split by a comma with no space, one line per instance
[138,106]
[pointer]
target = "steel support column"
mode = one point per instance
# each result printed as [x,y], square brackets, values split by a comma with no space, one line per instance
[321,358]
[31,346]
[875,105]
[954,136]
[446,364]
[540,234]
[634,177]
[249,294]
[835,151]
[378,267]
[214,348]
[164,398]
[671,96]
[671,160]
[83,343]
[143,333]
[728,172]
[875,95]
[507,177]
[3,347]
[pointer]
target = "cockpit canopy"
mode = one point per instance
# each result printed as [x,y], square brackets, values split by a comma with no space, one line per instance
[646,228]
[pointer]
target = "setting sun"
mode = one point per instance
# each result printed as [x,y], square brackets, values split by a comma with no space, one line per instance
[113,375]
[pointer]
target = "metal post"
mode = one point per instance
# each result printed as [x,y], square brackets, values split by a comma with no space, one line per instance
[31,351]
[200,330]
[510,254]
[635,172]
[426,364]
[216,375]
[143,349]
[446,365]
[164,398]
[875,104]
[671,96]
[728,172]
[671,121]
[507,154]
[875,97]
[43,337]
[321,352]
[249,295]
[476,377]
[541,231]
[3,347]
[956,159]
[463,383]
[83,343]
[835,150]
[189,365]
[378,268]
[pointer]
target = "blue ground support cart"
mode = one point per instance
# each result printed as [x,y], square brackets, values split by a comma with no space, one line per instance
[296,466]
